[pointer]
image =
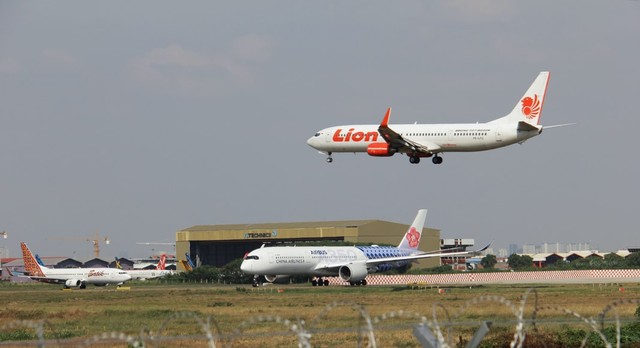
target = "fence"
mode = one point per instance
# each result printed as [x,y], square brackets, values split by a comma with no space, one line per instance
[435,329]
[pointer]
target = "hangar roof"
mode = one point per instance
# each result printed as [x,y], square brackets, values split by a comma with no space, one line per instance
[282,225]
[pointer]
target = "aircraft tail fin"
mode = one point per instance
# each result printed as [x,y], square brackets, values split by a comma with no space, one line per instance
[30,264]
[118,265]
[529,108]
[161,263]
[411,239]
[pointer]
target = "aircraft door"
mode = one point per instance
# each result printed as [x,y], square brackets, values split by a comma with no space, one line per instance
[498,135]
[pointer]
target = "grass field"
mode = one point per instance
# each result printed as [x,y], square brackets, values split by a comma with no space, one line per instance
[243,316]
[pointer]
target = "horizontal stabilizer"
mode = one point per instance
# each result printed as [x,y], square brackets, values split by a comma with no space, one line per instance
[527,127]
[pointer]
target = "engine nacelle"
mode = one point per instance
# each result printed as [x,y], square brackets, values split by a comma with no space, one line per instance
[276,278]
[353,272]
[73,283]
[380,150]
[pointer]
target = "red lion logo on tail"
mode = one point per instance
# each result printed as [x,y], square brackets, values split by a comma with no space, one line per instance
[413,237]
[531,107]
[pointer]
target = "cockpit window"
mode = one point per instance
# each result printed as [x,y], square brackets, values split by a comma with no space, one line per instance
[317,134]
[251,257]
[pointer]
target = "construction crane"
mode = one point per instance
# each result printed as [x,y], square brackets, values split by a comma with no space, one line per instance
[95,240]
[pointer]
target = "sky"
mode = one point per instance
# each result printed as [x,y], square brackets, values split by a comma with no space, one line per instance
[133,120]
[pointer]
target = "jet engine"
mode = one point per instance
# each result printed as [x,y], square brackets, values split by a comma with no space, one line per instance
[353,272]
[72,283]
[276,278]
[380,150]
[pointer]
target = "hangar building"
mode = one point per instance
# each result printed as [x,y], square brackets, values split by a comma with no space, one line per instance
[217,245]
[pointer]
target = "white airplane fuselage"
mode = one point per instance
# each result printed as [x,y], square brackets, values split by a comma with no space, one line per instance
[143,274]
[463,137]
[95,276]
[310,260]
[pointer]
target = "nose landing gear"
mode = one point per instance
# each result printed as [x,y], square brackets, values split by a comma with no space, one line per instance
[329,158]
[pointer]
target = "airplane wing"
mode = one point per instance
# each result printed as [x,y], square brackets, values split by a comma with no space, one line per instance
[48,280]
[333,267]
[375,262]
[402,144]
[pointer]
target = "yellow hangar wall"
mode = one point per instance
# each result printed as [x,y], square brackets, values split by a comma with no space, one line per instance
[235,240]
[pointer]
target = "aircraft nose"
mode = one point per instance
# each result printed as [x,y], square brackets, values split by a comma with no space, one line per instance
[311,141]
[245,267]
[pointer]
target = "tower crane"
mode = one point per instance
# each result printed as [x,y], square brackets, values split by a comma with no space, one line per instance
[95,240]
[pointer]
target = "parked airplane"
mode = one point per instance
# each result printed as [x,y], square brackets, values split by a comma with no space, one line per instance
[71,277]
[144,274]
[429,140]
[350,263]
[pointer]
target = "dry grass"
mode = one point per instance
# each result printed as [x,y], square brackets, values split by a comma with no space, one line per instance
[151,308]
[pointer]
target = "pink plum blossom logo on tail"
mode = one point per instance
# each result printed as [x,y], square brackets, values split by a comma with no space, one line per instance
[413,237]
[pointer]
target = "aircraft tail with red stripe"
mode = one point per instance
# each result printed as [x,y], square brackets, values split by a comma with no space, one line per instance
[161,263]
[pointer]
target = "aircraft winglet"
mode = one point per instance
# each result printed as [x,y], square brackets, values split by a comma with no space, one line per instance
[385,120]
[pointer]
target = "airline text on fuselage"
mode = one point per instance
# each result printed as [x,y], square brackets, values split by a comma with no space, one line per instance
[354,136]
[93,273]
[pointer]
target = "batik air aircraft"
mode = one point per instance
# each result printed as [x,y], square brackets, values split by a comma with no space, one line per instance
[430,140]
[71,277]
[350,263]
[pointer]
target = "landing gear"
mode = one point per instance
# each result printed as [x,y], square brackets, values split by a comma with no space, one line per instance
[320,282]
[256,281]
[436,159]
[329,158]
[414,159]
[363,282]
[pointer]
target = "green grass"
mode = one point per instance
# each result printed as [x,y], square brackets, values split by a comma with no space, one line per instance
[151,306]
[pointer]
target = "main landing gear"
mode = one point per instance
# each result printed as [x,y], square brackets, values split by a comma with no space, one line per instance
[415,159]
[320,282]
[363,282]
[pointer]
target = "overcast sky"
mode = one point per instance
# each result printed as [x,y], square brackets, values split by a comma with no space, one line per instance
[137,119]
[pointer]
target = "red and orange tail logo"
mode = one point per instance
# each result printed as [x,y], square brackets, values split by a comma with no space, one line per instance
[30,263]
[531,107]
[162,262]
[413,237]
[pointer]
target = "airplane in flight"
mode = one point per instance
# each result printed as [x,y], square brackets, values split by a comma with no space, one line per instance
[431,140]
[144,274]
[71,277]
[350,263]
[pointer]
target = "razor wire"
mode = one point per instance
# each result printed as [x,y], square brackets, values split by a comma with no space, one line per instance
[438,325]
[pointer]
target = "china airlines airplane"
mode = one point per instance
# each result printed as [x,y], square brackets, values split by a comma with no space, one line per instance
[430,140]
[71,277]
[350,263]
